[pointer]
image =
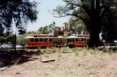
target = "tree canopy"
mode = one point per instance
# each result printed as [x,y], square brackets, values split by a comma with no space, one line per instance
[77,25]
[47,29]
[98,16]
[17,11]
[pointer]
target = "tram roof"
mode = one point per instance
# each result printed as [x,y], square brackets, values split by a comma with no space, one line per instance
[68,37]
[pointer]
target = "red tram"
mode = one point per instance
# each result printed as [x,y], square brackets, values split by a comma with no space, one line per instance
[43,41]
[77,42]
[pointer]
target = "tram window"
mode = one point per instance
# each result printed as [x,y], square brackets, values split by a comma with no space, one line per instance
[50,40]
[70,40]
[76,39]
[45,40]
[36,40]
[31,39]
[41,39]
[82,39]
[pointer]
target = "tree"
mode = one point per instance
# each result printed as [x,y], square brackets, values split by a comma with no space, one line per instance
[77,24]
[17,11]
[2,40]
[11,38]
[21,40]
[31,32]
[98,16]
[43,30]
[47,29]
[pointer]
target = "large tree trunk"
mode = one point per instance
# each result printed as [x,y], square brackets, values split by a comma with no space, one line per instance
[94,30]
[94,40]
[94,27]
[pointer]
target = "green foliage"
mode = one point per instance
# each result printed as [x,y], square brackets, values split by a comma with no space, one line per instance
[46,29]
[21,40]
[78,25]
[12,39]
[7,39]
[43,30]
[31,32]
[2,39]
[19,11]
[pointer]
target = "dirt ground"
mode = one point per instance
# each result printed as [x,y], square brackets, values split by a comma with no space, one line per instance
[66,63]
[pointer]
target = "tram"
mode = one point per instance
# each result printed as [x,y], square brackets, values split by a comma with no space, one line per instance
[39,41]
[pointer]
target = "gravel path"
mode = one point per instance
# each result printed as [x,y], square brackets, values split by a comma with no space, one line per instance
[73,64]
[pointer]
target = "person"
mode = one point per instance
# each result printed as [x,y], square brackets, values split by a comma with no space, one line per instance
[101,36]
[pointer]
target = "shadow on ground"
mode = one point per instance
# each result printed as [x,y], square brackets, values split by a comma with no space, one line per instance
[15,57]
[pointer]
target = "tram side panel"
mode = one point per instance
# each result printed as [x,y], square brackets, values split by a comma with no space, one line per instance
[56,42]
[77,42]
[39,42]
[81,42]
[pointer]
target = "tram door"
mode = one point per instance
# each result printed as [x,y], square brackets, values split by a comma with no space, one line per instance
[70,42]
[59,42]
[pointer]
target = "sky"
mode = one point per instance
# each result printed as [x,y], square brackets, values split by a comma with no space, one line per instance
[45,15]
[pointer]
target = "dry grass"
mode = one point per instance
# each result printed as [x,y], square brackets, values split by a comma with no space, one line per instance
[68,63]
